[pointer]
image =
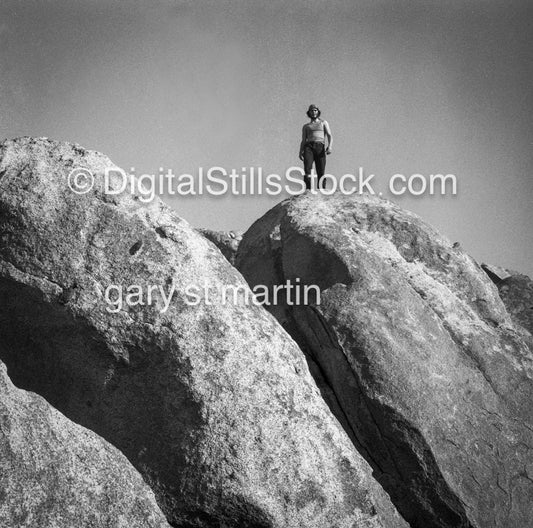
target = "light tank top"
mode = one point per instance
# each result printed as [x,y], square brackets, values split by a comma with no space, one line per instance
[314,131]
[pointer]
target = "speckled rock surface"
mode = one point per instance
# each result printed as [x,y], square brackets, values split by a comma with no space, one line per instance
[495,273]
[516,292]
[54,473]
[212,403]
[413,349]
[226,241]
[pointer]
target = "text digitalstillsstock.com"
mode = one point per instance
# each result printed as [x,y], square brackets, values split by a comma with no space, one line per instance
[253,181]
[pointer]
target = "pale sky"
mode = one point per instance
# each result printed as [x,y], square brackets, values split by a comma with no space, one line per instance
[434,86]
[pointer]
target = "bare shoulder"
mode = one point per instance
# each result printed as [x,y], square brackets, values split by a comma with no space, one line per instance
[326,124]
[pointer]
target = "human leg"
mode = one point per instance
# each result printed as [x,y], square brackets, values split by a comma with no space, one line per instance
[320,164]
[308,165]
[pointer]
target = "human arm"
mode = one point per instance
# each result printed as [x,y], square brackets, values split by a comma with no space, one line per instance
[302,143]
[327,133]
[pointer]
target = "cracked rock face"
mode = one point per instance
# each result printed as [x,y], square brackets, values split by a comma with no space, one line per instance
[413,350]
[212,403]
[56,473]
[516,292]
[226,241]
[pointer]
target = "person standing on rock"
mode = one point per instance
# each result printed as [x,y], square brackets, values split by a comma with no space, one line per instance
[313,146]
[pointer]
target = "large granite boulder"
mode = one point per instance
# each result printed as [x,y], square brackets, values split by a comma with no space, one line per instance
[414,351]
[213,403]
[54,473]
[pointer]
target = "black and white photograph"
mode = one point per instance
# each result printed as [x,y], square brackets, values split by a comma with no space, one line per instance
[266,264]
